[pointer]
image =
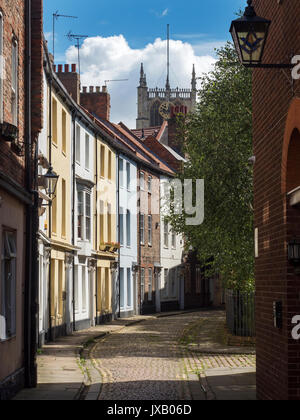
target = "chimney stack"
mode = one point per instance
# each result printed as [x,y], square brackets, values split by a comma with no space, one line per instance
[95,101]
[70,79]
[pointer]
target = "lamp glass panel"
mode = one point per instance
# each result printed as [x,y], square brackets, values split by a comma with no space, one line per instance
[249,39]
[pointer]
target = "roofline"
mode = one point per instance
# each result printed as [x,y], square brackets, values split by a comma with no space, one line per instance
[77,110]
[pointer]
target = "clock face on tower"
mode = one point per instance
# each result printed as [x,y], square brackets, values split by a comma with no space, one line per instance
[165,110]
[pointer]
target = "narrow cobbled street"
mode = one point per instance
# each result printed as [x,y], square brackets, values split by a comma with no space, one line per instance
[154,360]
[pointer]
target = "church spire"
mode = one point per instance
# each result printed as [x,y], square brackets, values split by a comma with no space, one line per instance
[194,80]
[143,80]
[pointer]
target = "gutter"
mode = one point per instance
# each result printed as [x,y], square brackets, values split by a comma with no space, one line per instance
[119,230]
[50,214]
[73,217]
[96,230]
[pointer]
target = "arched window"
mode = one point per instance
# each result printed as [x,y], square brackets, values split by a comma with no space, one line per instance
[155,118]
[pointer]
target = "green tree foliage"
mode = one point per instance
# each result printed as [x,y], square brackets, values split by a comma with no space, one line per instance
[218,143]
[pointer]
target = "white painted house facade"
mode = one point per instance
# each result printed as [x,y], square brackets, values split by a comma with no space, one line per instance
[128,288]
[172,246]
[84,278]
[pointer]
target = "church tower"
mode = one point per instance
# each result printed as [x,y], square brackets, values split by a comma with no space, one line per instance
[143,117]
[151,100]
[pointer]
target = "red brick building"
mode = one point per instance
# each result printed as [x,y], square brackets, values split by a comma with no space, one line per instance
[20,91]
[276,119]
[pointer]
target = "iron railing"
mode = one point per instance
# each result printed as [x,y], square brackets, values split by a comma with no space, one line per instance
[240,312]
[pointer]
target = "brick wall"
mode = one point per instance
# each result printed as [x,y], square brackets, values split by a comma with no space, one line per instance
[149,255]
[14,26]
[70,79]
[36,67]
[156,147]
[96,102]
[278,356]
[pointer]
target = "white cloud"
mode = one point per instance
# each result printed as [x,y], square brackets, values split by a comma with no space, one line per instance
[112,58]
[165,12]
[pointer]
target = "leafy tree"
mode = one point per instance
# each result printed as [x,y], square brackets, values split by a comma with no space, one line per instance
[218,143]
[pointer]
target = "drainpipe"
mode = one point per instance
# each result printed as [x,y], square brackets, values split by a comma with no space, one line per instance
[139,240]
[50,338]
[31,269]
[73,218]
[96,228]
[119,231]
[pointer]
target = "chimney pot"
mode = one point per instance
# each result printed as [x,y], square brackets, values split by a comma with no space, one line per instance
[67,68]
[91,89]
[54,68]
[84,89]
[60,68]
[73,68]
[98,89]
[104,89]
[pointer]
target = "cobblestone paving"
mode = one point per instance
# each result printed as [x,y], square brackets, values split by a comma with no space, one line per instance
[145,361]
[149,361]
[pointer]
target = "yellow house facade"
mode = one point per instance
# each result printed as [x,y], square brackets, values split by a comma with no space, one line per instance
[105,222]
[78,249]
[60,221]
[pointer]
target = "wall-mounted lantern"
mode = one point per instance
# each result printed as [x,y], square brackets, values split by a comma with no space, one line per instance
[51,179]
[250,34]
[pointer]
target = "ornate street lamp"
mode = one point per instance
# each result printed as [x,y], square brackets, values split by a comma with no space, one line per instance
[249,34]
[51,179]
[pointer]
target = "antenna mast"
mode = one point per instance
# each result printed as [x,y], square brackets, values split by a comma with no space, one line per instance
[119,80]
[56,16]
[168,63]
[71,37]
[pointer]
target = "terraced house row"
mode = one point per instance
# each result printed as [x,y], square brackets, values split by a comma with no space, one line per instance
[83,234]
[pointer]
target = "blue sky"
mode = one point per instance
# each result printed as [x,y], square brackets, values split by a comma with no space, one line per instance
[124,33]
[199,21]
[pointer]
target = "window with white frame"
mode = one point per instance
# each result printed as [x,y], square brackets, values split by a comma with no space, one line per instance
[1,67]
[121,172]
[128,175]
[122,288]
[142,181]
[77,145]
[166,234]
[84,214]
[150,230]
[80,214]
[150,284]
[142,285]
[142,229]
[14,82]
[128,228]
[87,151]
[88,216]
[8,286]
[121,216]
